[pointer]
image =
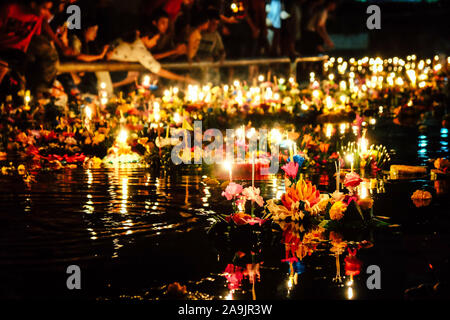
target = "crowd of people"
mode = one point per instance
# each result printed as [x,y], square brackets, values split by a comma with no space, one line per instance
[35,36]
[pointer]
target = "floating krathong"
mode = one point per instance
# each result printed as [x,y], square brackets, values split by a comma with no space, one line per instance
[239,197]
[120,153]
[421,198]
[354,209]
[300,200]
[361,156]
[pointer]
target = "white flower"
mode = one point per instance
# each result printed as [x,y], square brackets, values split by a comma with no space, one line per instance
[337,196]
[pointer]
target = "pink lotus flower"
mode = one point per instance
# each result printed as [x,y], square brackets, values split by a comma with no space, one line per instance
[252,194]
[234,275]
[291,169]
[232,190]
[352,179]
[242,218]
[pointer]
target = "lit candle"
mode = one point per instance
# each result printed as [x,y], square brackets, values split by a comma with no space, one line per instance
[88,118]
[328,102]
[228,166]
[253,169]
[338,174]
[122,119]
[88,113]
[329,130]
[225,91]
[156,115]
[364,190]
[167,131]
[146,81]
[350,158]
[363,145]
[122,137]
[27,99]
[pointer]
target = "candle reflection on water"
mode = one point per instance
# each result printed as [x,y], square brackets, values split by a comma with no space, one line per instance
[124,196]
[89,206]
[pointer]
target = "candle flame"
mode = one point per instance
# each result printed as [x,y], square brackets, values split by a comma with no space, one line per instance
[123,136]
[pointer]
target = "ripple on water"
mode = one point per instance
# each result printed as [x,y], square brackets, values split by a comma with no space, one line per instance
[67,214]
[136,233]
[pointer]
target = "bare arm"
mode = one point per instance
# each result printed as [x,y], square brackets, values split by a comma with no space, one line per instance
[93,57]
[180,49]
[228,20]
[159,56]
[89,58]
[255,29]
[322,31]
[48,30]
[192,47]
[169,75]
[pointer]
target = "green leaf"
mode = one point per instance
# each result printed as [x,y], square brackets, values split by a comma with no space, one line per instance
[324,223]
[359,210]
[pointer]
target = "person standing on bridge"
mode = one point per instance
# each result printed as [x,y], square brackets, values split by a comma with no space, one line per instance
[315,36]
[84,44]
[19,24]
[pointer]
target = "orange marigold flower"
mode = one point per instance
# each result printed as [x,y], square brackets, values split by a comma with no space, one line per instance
[323,147]
[337,210]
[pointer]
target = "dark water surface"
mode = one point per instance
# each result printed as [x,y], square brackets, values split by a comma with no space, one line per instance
[133,232]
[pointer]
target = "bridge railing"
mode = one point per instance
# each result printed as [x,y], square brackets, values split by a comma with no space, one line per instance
[112,66]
